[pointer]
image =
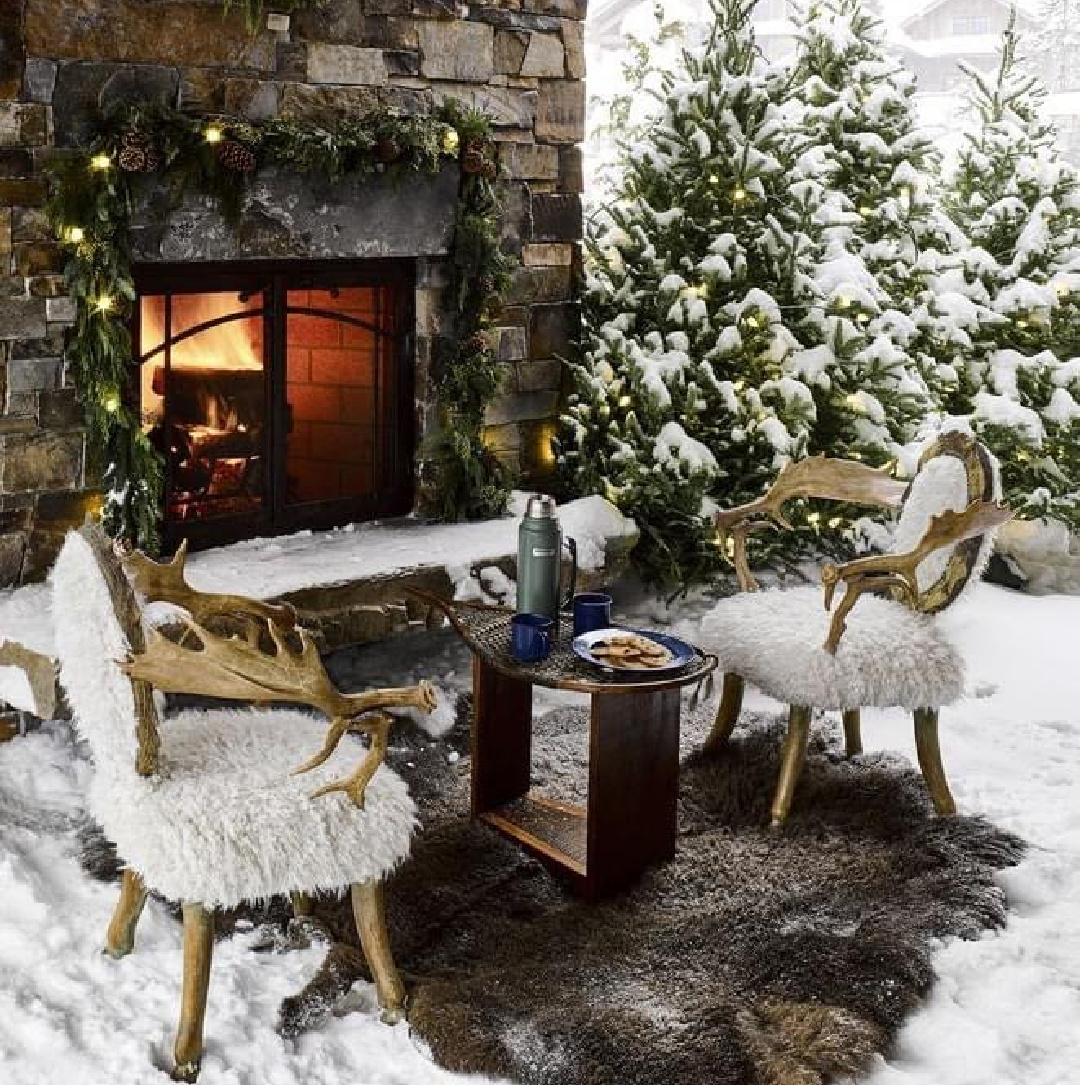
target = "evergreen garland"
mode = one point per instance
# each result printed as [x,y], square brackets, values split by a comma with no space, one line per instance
[90,206]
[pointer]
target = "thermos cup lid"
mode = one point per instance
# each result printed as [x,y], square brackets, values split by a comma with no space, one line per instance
[540,507]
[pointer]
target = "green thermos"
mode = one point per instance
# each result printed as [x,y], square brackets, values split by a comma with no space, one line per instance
[540,543]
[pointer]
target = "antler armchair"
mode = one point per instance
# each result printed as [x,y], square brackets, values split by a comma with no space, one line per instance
[889,652]
[220,806]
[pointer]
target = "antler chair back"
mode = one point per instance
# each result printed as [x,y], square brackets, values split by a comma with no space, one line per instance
[954,471]
[222,806]
[788,644]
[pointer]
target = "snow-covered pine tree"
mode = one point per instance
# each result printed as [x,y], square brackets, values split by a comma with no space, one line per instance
[696,274]
[1019,203]
[724,332]
[856,106]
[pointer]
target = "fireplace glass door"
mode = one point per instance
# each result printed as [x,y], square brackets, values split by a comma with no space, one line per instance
[279,399]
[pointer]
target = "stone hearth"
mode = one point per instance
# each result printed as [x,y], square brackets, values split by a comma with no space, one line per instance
[61,61]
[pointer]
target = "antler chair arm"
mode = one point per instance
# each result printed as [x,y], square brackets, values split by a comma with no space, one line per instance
[833,480]
[287,670]
[163,582]
[899,571]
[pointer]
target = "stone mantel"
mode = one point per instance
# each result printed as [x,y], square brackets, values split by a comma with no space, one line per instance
[286,215]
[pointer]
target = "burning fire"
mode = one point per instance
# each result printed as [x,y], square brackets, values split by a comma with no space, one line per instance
[223,346]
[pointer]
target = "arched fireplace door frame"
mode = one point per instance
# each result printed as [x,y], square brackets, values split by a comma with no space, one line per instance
[272,505]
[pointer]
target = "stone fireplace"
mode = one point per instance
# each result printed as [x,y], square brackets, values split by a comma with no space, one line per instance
[282,361]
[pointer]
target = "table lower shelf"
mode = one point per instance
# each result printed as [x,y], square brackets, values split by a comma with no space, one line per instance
[553,831]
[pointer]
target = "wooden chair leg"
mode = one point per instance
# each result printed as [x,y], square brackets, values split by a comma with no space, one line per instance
[792,757]
[120,939]
[369,909]
[926,743]
[198,952]
[727,715]
[853,731]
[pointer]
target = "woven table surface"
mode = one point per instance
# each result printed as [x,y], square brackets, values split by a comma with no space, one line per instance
[487,631]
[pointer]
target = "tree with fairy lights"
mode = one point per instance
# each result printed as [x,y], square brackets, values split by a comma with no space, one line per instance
[1019,203]
[858,110]
[727,324]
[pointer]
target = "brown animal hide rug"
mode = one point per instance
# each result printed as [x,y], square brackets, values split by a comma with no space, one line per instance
[753,958]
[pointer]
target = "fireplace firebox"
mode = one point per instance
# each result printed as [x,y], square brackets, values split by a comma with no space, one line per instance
[280,395]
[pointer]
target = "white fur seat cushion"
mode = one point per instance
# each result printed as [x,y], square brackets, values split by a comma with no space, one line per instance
[226,822]
[889,656]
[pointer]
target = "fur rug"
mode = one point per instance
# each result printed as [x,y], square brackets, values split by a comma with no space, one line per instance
[750,959]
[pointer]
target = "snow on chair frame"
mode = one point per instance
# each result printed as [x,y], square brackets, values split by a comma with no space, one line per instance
[216,807]
[889,652]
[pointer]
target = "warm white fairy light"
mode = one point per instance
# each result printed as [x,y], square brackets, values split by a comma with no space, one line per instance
[101,161]
[105,304]
[213,134]
[740,194]
[111,403]
[73,234]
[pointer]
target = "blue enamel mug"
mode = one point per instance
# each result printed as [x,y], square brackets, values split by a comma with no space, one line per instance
[530,637]
[592,610]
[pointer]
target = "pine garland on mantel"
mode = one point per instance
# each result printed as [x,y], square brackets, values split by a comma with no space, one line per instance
[94,193]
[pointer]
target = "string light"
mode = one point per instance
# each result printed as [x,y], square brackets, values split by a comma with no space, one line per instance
[105,304]
[739,194]
[111,403]
[626,401]
[835,522]
[73,234]
[1021,322]
[101,161]
[713,179]
[214,134]
[752,321]
[814,518]
[740,385]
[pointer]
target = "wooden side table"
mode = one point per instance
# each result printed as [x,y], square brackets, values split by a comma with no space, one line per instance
[630,820]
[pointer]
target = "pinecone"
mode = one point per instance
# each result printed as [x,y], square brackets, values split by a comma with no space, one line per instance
[137,154]
[387,150]
[235,156]
[489,171]
[473,161]
[477,342]
[131,160]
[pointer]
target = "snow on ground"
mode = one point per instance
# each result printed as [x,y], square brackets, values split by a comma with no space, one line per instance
[1002,1013]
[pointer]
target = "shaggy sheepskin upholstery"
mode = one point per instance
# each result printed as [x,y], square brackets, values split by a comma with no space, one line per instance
[774,640]
[226,822]
[223,821]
